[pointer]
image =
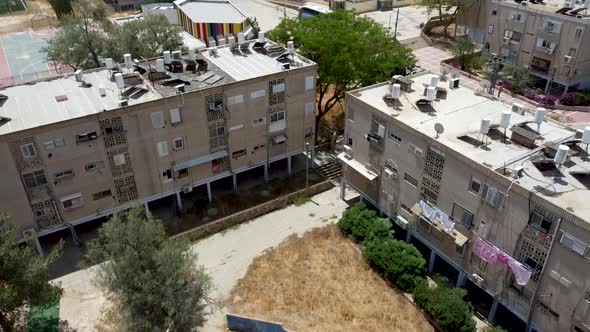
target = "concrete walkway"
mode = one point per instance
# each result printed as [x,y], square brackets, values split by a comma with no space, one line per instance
[226,256]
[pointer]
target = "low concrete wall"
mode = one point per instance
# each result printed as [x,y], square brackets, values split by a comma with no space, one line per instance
[253,212]
[246,324]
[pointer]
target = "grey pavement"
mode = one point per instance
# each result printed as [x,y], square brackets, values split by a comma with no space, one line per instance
[408,26]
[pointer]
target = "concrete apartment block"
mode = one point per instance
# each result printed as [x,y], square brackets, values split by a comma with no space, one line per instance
[492,169]
[551,40]
[80,147]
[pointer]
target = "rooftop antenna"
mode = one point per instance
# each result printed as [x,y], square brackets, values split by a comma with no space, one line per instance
[484,129]
[439,129]
[539,117]
[505,121]
[396,92]
[586,136]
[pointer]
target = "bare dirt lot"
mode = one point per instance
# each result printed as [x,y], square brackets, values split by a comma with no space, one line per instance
[321,282]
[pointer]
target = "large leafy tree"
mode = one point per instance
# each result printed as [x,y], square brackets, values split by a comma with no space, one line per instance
[447,10]
[61,7]
[154,282]
[351,51]
[23,278]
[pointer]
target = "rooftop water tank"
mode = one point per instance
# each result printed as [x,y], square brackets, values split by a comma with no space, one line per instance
[290,47]
[430,93]
[167,57]
[561,154]
[119,80]
[261,38]
[540,115]
[484,127]
[433,80]
[192,54]
[108,62]
[586,135]
[505,119]
[160,65]
[396,91]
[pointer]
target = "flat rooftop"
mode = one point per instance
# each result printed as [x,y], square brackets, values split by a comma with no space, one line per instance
[211,11]
[460,113]
[61,98]
[551,7]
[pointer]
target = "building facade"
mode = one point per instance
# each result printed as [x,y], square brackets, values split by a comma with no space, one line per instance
[458,172]
[75,149]
[551,41]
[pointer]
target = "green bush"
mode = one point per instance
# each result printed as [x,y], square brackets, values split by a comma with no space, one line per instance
[446,306]
[582,98]
[474,62]
[362,223]
[494,329]
[398,261]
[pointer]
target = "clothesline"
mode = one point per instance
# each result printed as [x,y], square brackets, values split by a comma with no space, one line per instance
[492,254]
[434,214]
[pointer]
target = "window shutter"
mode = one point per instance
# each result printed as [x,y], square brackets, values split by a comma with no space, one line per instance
[157,120]
[484,191]
[309,109]
[309,82]
[539,42]
[175,115]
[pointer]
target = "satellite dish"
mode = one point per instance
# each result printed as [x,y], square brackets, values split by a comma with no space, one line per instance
[439,128]
[485,84]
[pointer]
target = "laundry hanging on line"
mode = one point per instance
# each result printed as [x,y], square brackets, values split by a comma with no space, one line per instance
[492,254]
[434,214]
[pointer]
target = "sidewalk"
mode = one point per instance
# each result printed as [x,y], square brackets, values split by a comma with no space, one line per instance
[225,255]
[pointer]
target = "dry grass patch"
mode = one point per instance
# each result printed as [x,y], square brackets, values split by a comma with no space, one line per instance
[321,282]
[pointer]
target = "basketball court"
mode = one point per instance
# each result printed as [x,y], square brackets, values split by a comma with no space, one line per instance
[21,58]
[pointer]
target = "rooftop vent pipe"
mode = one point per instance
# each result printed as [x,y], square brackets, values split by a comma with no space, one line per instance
[192,54]
[128,60]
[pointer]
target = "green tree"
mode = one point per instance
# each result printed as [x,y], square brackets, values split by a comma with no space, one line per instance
[154,282]
[24,278]
[145,38]
[361,223]
[351,51]
[518,76]
[400,262]
[61,8]
[446,306]
[462,49]
[447,10]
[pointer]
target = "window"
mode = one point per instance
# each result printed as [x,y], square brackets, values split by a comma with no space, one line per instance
[462,215]
[551,26]
[566,70]
[183,173]
[102,194]
[309,82]
[512,35]
[259,147]
[94,166]
[277,116]
[517,17]
[578,33]
[278,88]
[539,222]
[238,99]
[415,150]
[88,136]
[478,263]
[119,159]
[308,132]
[258,122]
[409,179]
[175,116]
[71,202]
[28,150]
[494,12]
[157,120]
[349,141]
[406,209]
[546,44]
[64,174]
[162,149]
[490,28]
[309,109]
[178,143]
[34,179]
[238,153]
[236,127]
[216,130]
[475,185]
[350,114]
[572,51]
[56,143]
[572,243]
[167,175]
[492,196]
[395,138]
[257,94]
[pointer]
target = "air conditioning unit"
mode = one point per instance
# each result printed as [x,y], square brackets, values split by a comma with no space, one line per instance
[390,173]
[187,190]
[454,83]
[524,3]
[402,222]
[506,40]
[549,51]
[517,108]
[477,279]
[567,59]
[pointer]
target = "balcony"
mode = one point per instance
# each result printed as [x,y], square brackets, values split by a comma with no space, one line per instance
[39,193]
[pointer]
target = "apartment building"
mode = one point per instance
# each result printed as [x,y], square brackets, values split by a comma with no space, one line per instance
[493,196]
[77,148]
[549,39]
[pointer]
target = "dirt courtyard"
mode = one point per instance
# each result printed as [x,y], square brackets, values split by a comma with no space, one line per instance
[321,282]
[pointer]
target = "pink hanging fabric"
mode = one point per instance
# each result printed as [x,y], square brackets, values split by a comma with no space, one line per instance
[486,251]
[503,258]
[521,273]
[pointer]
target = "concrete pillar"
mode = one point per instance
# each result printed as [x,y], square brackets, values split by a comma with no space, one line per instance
[431,261]
[235,178]
[38,246]
[493,310]
[566,89]
[178,201]
[209,194]
[311,163]
[289,165]
[408,237]
[342,188]
[147,210]
[460,279]
[265,172]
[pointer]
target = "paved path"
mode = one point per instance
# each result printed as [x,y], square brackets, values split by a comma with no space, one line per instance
[225,255]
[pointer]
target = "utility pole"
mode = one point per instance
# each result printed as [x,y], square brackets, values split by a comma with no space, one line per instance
[306,165]
[496,63]
[396,19]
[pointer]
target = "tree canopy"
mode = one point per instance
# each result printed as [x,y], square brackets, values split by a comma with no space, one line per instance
[351,51]
[86,39]
[154,282]
[447,10]
[23,278]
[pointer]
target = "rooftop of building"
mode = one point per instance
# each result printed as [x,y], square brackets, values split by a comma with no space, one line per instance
[211,11]
[523,143]
[61,98]
[558,7]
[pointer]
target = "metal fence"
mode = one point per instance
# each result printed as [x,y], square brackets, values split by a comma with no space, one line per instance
[30,77]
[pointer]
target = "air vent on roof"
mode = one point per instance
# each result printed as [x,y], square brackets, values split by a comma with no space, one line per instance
[61,98]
